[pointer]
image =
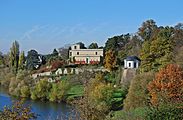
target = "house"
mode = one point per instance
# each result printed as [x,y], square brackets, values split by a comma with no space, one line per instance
[132,62]
[43,74]
[64,71]
[79,55]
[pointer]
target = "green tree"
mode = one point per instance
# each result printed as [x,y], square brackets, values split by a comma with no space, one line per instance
[55,52]
[146,57]
[41,90]
[158,51]
[117,42]
[19,84]
[82,45]
[93,46]
[131,48]
[22,60]
[179,26]
[34,60]
[14,56]
[97,99]
[162,48]
[58,91]
[1,58]
[147,30]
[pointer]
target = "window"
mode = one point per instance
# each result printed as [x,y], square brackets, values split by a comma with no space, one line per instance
[87,60]
[75,47]
[77,53]
[70,53]
[95,53]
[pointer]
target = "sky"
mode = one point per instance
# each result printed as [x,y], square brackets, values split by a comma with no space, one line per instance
[47,24]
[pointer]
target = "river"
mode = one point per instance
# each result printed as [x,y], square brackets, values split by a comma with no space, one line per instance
[45,110]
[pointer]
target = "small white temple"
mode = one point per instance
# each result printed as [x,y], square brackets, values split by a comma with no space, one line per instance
[132,62]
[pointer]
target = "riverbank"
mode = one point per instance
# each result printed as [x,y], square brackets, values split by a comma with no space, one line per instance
[45,110]
[93,94]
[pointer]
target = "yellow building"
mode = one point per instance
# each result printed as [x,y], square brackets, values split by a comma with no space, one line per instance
[85,56]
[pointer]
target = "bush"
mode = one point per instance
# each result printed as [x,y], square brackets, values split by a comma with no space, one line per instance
[58,91]
[167,85]
[138,93]
[6,76]
[114,77]
[19,86]
[25,91]
[41,90]
[133,114]
[165,112]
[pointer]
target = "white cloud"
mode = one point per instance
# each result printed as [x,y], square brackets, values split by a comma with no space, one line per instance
[53,36]
[30,33]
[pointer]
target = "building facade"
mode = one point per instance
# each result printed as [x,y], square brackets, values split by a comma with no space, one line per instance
[85,56]
[132,62]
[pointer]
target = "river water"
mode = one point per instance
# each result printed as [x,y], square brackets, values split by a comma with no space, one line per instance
[45,110]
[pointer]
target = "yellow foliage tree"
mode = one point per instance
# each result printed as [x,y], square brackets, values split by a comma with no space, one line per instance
[110,60]
[100,93]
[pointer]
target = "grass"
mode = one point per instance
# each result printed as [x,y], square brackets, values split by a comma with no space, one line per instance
[75,91]
[136,114]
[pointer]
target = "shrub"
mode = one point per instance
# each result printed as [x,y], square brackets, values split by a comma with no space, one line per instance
[25,91]
[138,93]
[20,85]
[133,114]
[167,85]
[58,91]
[41,90]
[165,112]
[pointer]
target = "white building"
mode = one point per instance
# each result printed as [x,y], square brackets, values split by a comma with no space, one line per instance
[132,62]
[85,56]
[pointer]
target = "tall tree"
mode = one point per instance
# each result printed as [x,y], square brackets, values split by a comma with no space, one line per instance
[147,29]
[14,56]
[117,42]
[82,45]
[34,60]
[55,52]
[110,60]
[1,58]
[22,60]
[93,46]
[158,52]
[64,52]
[162,48]
[179,26]
[131,48]
[146,57]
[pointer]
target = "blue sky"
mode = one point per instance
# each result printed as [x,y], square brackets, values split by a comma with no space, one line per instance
[47,24]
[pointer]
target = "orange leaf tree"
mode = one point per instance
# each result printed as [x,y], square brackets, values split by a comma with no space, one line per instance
[167,85]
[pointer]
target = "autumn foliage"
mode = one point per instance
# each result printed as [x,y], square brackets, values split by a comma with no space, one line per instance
[167,85]
[110,60]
